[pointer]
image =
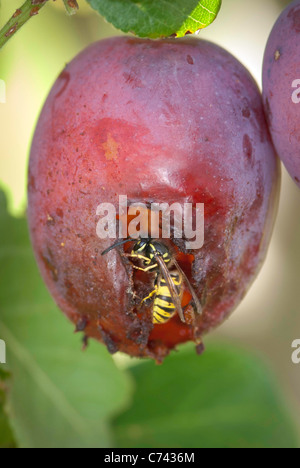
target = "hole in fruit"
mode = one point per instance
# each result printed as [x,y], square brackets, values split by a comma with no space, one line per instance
[173,331]
[47,260]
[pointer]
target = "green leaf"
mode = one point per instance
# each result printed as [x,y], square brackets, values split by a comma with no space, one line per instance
[60,396]
[158,18]
[6,436]
[225,398]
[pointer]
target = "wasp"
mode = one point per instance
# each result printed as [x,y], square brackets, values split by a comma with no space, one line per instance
[169,281]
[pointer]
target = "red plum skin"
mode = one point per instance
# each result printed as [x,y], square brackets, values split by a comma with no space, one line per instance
[158,121]
[281,88]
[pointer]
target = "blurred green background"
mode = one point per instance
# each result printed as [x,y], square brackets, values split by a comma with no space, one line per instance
[245,390]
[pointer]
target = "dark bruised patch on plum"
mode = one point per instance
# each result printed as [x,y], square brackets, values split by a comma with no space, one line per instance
[60,213]
[64,79]
[246,112]
[294,15]
[48,262]
[297,180]
[233,226]
[246,108]
[268,112]
[31,183]
[261,123]
[247,147]
[190,60]
[236,83]
[259,199]
[133,80]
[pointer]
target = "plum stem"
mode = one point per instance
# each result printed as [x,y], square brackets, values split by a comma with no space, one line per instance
[29,9]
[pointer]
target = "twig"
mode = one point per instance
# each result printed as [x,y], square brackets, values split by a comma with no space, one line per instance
[29,9]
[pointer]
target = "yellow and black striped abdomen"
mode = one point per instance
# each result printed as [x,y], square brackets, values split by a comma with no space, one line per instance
[163,305]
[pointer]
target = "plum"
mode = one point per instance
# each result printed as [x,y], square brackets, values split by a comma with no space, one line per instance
[281,87]
[158,121]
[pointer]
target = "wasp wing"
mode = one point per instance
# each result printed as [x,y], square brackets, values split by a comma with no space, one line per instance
[191,289]
[172,288]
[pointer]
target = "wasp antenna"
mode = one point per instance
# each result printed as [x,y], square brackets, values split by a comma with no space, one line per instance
[117,244]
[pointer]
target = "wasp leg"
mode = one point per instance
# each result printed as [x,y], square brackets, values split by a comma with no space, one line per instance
[140,257]
[150,295]
[144,269]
